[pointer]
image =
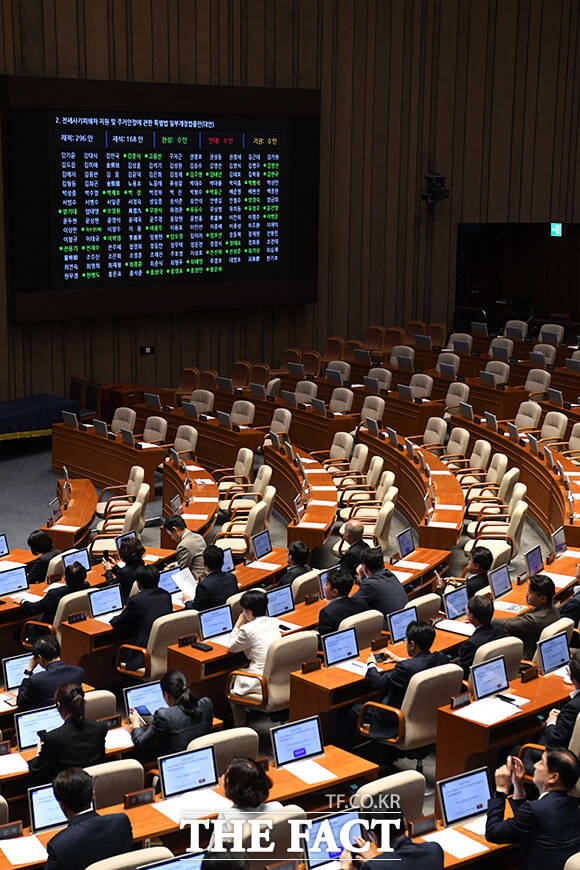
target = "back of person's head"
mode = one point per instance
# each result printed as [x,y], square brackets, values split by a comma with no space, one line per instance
[575,667]
[421,633]
[75,576]
[213,558]
[373,560]
[565,764]
[227,860]
[373,808]
[355,530]
[175,685]
[481,607]
[341,580]
[246,783]
[254,600]
[131,550]
[147,577]
[39,542]
[483,557]
[73,788]
[299,552]
[543,585]
[70,700]
[174,522]
[46,647]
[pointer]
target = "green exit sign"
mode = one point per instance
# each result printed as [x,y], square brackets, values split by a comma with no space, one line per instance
[555,229]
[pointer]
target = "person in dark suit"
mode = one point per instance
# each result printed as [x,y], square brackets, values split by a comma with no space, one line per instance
[298,555]
[547,829]
[378,588]
[571,608]
[337,589]
[352,535]
[216,587]
[392,685]
[174,726]
[528,626]
[378,855]
[88,837]
[131,554]
[75,577]
[38,690]
[135,620]
[79,742]
[39,544]
[479,563]
[479,614]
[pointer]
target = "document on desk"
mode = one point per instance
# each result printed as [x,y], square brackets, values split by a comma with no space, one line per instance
[316,471]
[208,498]
[62,528]
[186,582]
[440,472]
[322,489]
[455,626]
[456,844]
[12,763]
[195,804]
[516,699]
[562,672]
[574,554]
[560,580]
[194,516]
[477,826]
[195,468]
[415,566]
[488,711]
[322,503]
[25,596]
[203,481]
[450,507]
[508,606]
[118,738]
[401,575]
[145,445]
[24,850]
[437,524]
[148,557]
[354,666]
[264,566]
[311,525]
[309,771]
[307,460]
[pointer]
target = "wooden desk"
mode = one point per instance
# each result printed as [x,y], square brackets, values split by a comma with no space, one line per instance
[200,507]
[74,527]
[503,403]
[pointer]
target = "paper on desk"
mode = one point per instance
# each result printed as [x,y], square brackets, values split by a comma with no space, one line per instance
[456,844]
[322,503]
[24,850]
[455,626]
[516,699]
[315,471]
[26,596]
[6,565]
[477,826]
[12,763]
[488,711]
[439,525]
[194,516]
[450,507]
[307,460]
[401,575]
[194,468]
[572,473]
[264,566]
[150,558]
[562,672]
[4,705]
[208,498]
[354,666]
[311,525]
[440,472]
[322,489]
[309,771]
[403,563]
[62,528]
[53,586]
[508,606]
[560,580]
[118,738]
[202,802]
[145,445]
[203,481]
[186,582]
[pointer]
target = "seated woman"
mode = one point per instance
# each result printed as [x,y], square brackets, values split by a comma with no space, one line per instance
[174,726]
[131,554]
[75,579]
[39,544]
[79,742]
[246,784]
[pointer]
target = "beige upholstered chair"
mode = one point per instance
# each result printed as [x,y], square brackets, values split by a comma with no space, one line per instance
[499,370]
[3,810]
[516,324]
[428,606]
[132,860]
[421,386]
[234,601]
[450,359]
[551,329]
[237,537]
[528,416]
[371,501]
[383,376]
[553,427]
[367,625]
[409,785]
[511,648]
[537,383]
[114,779]
[503,541]
[100,704]
[305,391]
[240,473]
[72,603]
[280,833]
[456,393]
[164,631]
[341,468]
[304,585]
[373,407]
[245,495]
[477,461]
[269,497]
[476,483]
[155,431]
[115,519]
[459,337]
[572,445]
[242,413]
[240,742]
[356,485]
[105,540]
[121,494]
[203,401]
[341,401]
[185,442]
[457,445]
[376,530]
[434,435]
[494,494]
[273,387]
[123,418]
[280,423]
[573,863]
[339,365]
[501,342]
[402,351]
[339,452]
[548,350]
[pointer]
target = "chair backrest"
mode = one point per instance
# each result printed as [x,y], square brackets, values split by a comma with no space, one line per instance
[393,335]
[558,627]
[511,648]
[244,462]
[112,780]
[311,362]
[507,484]
[350,347]
[185,441]
[375,337]
[480,454]
[548,350]
[260,374]
[374,471]
[165,631]
[574,439]
[426,692]
[55,568]
[528,416]
[437,331]
[421,386]
[281,420]
[189,380]
[499,370]
[280,833]
[359,458]
[537,381]
[383,525]
[73,603]
[450,359]
[334,348]
[501,341]
[234,603]
[554,328]
[339,365]
[304,585]
[497,468]
[132,860]
[203,401]
[435,431]
[456,393]
[428,606]
[458,441]
[373,407]
[241,372]
[385,483]
[208,379]
[409,785]
[100,704]
[305,391]
[554,425]
[516,524]
[291,354]
[256,521]
[262,479]
[576,354]
[516,324]
[268,499]
[519,492]
[402,350]
[284,656]
[383,376]
[242,413]
[414,327]
[240,742]
[367,626]
[341,400]
[3,810]
[136,478]
[459,336]
[341,446]
[155,429]
[133,518]
[273,387]
[123,418]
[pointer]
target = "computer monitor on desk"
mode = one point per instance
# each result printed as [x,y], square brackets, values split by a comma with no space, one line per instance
[297,741]
[499,352]
[128,437]
[105,603]
[13,669]
[487,378]
[13,580]
[320,854]
[554,653]
[455,602]
[296,369]
[224,419]
[462,347]
[29,724]
[491,420]
[4,548]
[335,377]
[556,397]
[478,328]
[228,563]
[258,391]
[573,365]
[190,410]
[339,646]
[489,678]
[500,581]
[280,601]
[319,407]
[261,544]
[466,410]
[323,576]
[225,384]
[152,400]
[423,341]
[534,561]
[216,623]
[393,437]
[45,810]
[465,796]
[70,419]
[371,384]
[405,391]
[145,699]
[516,332]
[119,540]
[398,622]
[405,543]
[81,556]
[559,541]
[447,370]
[187,771]
[289,397]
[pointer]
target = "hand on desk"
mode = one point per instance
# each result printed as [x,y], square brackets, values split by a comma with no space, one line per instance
[553,715]
[108,565]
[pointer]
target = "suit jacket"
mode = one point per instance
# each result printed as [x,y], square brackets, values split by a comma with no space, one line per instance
[189,553]
[476,582]
[571,608]
[382,591]
[351,559]
[39,689]
[482,634]
[290,574]
[213,590]
[89,837]
[548,830]
[124,576]
[172,729]
[560,733]
[36,571]
[528,626]
[46,608]
[135,620]
[408,855]
[69,746]
[338,609]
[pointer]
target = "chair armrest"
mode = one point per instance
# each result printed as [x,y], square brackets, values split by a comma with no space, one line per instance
[321,454]
[233,535]
[495,537]
[543,393]
[414,438]
[41,628]
[479,486]
[146,660]
[364,729]
[351,488]
[348,475]
[122,487]
[244,496]
[463,461]
[242,699]
[338,463]
[359,507]
[451,408]
[469,472]
[458,457]
[570,452]
[235,478]
[116,503]
[434,445]
[481,524]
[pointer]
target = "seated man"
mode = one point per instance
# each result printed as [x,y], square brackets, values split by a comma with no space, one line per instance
[298,554]
[479,563]
[392,685]
[38,690]
[88,837]
[75,579]
[379,589]
[479,614]
[216,587]
[353,534]
[189,549]
[547,829]
[528,626]
[571,608]
[402,850]
[337,589]
[140,612]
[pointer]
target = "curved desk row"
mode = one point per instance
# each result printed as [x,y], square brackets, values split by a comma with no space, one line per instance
[74,527]
[199,506]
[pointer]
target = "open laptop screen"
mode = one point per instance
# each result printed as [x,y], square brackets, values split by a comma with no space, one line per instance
[13,580]
[119,540]
[146,699]
[296,741]
[105,600]
[534,561]
[187,771]
[489,677]
[464,796]
[261,544]
[228,563]
[167,582]
[455,602]
[340,646]
[30,723]
[322,577]
[320,853]
[216,621]
[554,652]
[4,548]
[405,542]
[45,810]
[559,540]
[181,862]
[500,581]
[81,556]
[13,669]
[280,601]
[398,622]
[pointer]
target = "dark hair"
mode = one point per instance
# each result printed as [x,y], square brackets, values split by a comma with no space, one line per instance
[74,789]
[75,576]
[543,585]
[373,559]
[39,542]
[46,646]
[174,522]
[131,550]
[299,552]
[341,580]
[70,699]
[483,557]
[481,607]
[374,809]
[226,861]
[246,783]
[213,557]
[575,666]
[254,600]
[146,576]
[421,633]
[565,764]
[175,684]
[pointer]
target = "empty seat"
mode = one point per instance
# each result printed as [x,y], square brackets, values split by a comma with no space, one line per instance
[394,335]
[456,393]
[404,352]
[373,407]
[477,461]
[367,625]
[123,418]
[408,785]
[414,327]
[239,473]
[339,452]
[228,744]
[437,332]
[450,359]
[503,343]
[421,386]
[121,495]
[155,431]
[203,401]
[311,361]
[516,324]
[548,351]
[528,416]
[260,374]
[185,442]
[551,329]
[208,379]
[499,370]
[305,391]
[333,349]
[112,780]
[553,427]
[291,354]
[339,365]
[245,495]
[273,387]
[383,376]
[350,347]
[242,413]
[459,338]
[375,338]
[434,434]
[188,382]
[241,372]
[341,401]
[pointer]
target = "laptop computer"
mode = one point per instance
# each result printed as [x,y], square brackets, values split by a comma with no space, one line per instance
[187,771]
[489,678]
[105,603]
[258,391]
[152,400]
[398,622]
[297,741]
[554,653]
[119,540]
[289,397]
[461,347]
[319,407]
[296,369]
[225,384]
[13,669]
[537,358]
[45,810]
[280,601]
[128,437]
[339,646]
[14,582]
[405,543]
[322,577]
[4,548]
[487,378]
[224,419]
[555,397]
[447,370]
[573,365]
[189,861]
[371,384]
[499,352]
[27,725]
[228,563]
[145,699]
[514,332]
[100,427]
[405,362]
[405,391]
[534,561]
[478,328]
[500,581]
[70,419]
[190,410]
[559,540]
[322,851]
[423,341]
[73,556]
[362,356]
[216,624]
[464,796]
[491,420]
[167,583]
[466,410]
[261,544]
[455,602]
[334,377]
